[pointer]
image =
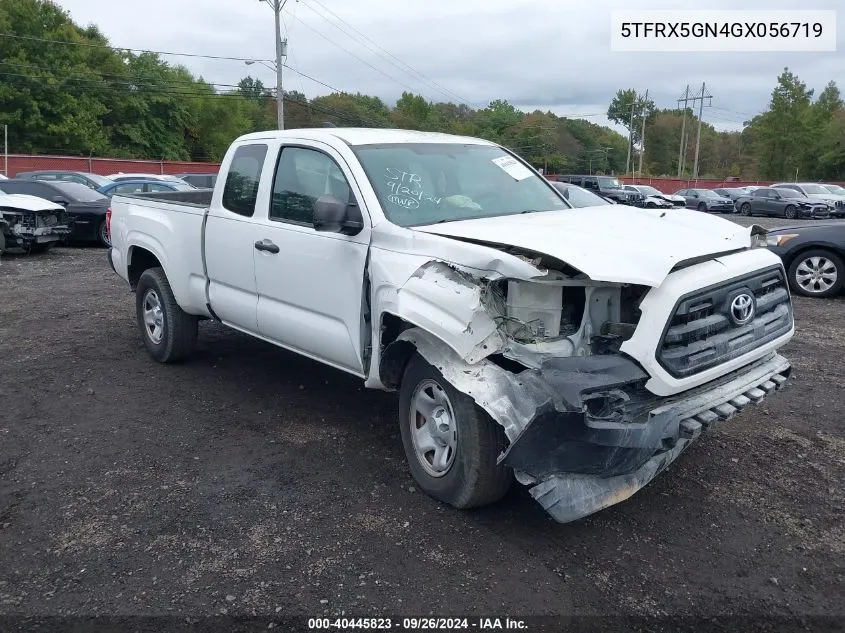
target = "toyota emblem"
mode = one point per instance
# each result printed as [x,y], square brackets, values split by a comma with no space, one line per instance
[742,308]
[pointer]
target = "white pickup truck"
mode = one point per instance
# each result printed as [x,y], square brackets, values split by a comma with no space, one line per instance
[578,351]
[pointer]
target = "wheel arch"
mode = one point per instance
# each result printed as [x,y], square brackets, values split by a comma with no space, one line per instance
[791,256]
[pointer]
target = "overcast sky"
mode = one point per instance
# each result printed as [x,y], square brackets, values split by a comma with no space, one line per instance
[535,54]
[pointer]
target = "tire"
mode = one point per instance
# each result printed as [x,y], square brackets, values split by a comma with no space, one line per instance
[40,248]
[103,234]
[171,335]
[472,477]
[815,259]
[745,208]
[789,212]
[702,207]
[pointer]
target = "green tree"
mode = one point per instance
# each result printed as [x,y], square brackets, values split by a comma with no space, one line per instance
[782,131]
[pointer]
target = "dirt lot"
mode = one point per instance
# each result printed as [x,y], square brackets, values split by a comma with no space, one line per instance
[250,481]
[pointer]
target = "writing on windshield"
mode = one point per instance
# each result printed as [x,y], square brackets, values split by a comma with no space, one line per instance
[425,183]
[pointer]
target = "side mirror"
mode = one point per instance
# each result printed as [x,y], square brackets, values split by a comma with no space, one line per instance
[332,215]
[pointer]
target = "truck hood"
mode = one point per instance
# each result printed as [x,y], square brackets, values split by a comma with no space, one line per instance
[28,203]
[609,243]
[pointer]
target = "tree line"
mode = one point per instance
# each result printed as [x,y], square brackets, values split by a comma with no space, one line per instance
[64,90]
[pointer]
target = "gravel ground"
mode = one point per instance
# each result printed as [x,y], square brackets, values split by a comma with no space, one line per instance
[252,482]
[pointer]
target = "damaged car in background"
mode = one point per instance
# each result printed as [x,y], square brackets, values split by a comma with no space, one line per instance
[578,351]
[30,223]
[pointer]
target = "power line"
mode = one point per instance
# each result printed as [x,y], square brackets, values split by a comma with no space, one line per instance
[133,50]
[348,52]
[113,86]
[381,52]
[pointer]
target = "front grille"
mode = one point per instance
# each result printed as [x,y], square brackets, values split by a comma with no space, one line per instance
[704,332]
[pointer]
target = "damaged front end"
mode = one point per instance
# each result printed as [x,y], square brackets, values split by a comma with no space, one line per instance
[544,358]
[27,228]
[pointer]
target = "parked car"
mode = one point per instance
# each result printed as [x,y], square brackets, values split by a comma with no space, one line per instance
[580,197]
[813,255]
[835,189]
[85,207]
[604,186]
[654,198]
[817,192]
[3,177]
[784,203]
[201,181]
[143,186]
[163,177]
[565,347]
[706,200]
[733,193]
[92,181]
[30,223]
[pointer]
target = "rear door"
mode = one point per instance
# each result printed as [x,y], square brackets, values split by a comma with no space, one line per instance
[229,240]
[310,283]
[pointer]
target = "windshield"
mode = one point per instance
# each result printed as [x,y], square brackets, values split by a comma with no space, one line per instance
[835,189]
[175,180]
[706,193]
[80,193]
[579,197]
[789,193]
[815,189]
[609,183]
[425,183]
[101,181]
[648,191]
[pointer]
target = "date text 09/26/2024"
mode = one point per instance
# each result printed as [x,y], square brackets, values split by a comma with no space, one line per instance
[416,624]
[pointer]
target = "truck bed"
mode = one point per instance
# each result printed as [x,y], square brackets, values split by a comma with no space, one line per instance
[198,198]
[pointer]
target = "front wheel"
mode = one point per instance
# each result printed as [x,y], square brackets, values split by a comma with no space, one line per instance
[745,209]
[702,206]
[789,212]
[451,445]
[817,273]
[168,332]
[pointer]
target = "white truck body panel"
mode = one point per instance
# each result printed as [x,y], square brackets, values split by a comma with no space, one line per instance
[329,295]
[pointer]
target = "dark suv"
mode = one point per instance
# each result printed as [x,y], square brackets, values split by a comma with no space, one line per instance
[606,186]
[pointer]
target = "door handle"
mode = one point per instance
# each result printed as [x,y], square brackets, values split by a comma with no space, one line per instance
[266,246]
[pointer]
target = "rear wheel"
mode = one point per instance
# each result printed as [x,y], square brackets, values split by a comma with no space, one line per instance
[789,212]
[168,332]
[451,445]
[103,234]
[817,273]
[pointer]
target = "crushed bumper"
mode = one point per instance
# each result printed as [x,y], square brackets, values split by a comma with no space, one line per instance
[582,463]
[584,433]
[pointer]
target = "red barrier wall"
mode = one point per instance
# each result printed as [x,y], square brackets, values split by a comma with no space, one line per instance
[103,166]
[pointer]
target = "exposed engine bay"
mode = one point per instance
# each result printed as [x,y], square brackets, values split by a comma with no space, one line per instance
[30,229]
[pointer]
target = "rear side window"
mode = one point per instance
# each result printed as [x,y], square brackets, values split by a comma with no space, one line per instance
[241,190]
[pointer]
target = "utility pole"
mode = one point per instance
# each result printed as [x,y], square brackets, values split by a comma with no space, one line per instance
[704,95]
[630,136]
[683,131]
[281,53]
[642,135]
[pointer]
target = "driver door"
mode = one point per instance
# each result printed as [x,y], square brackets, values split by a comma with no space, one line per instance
[311,284]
